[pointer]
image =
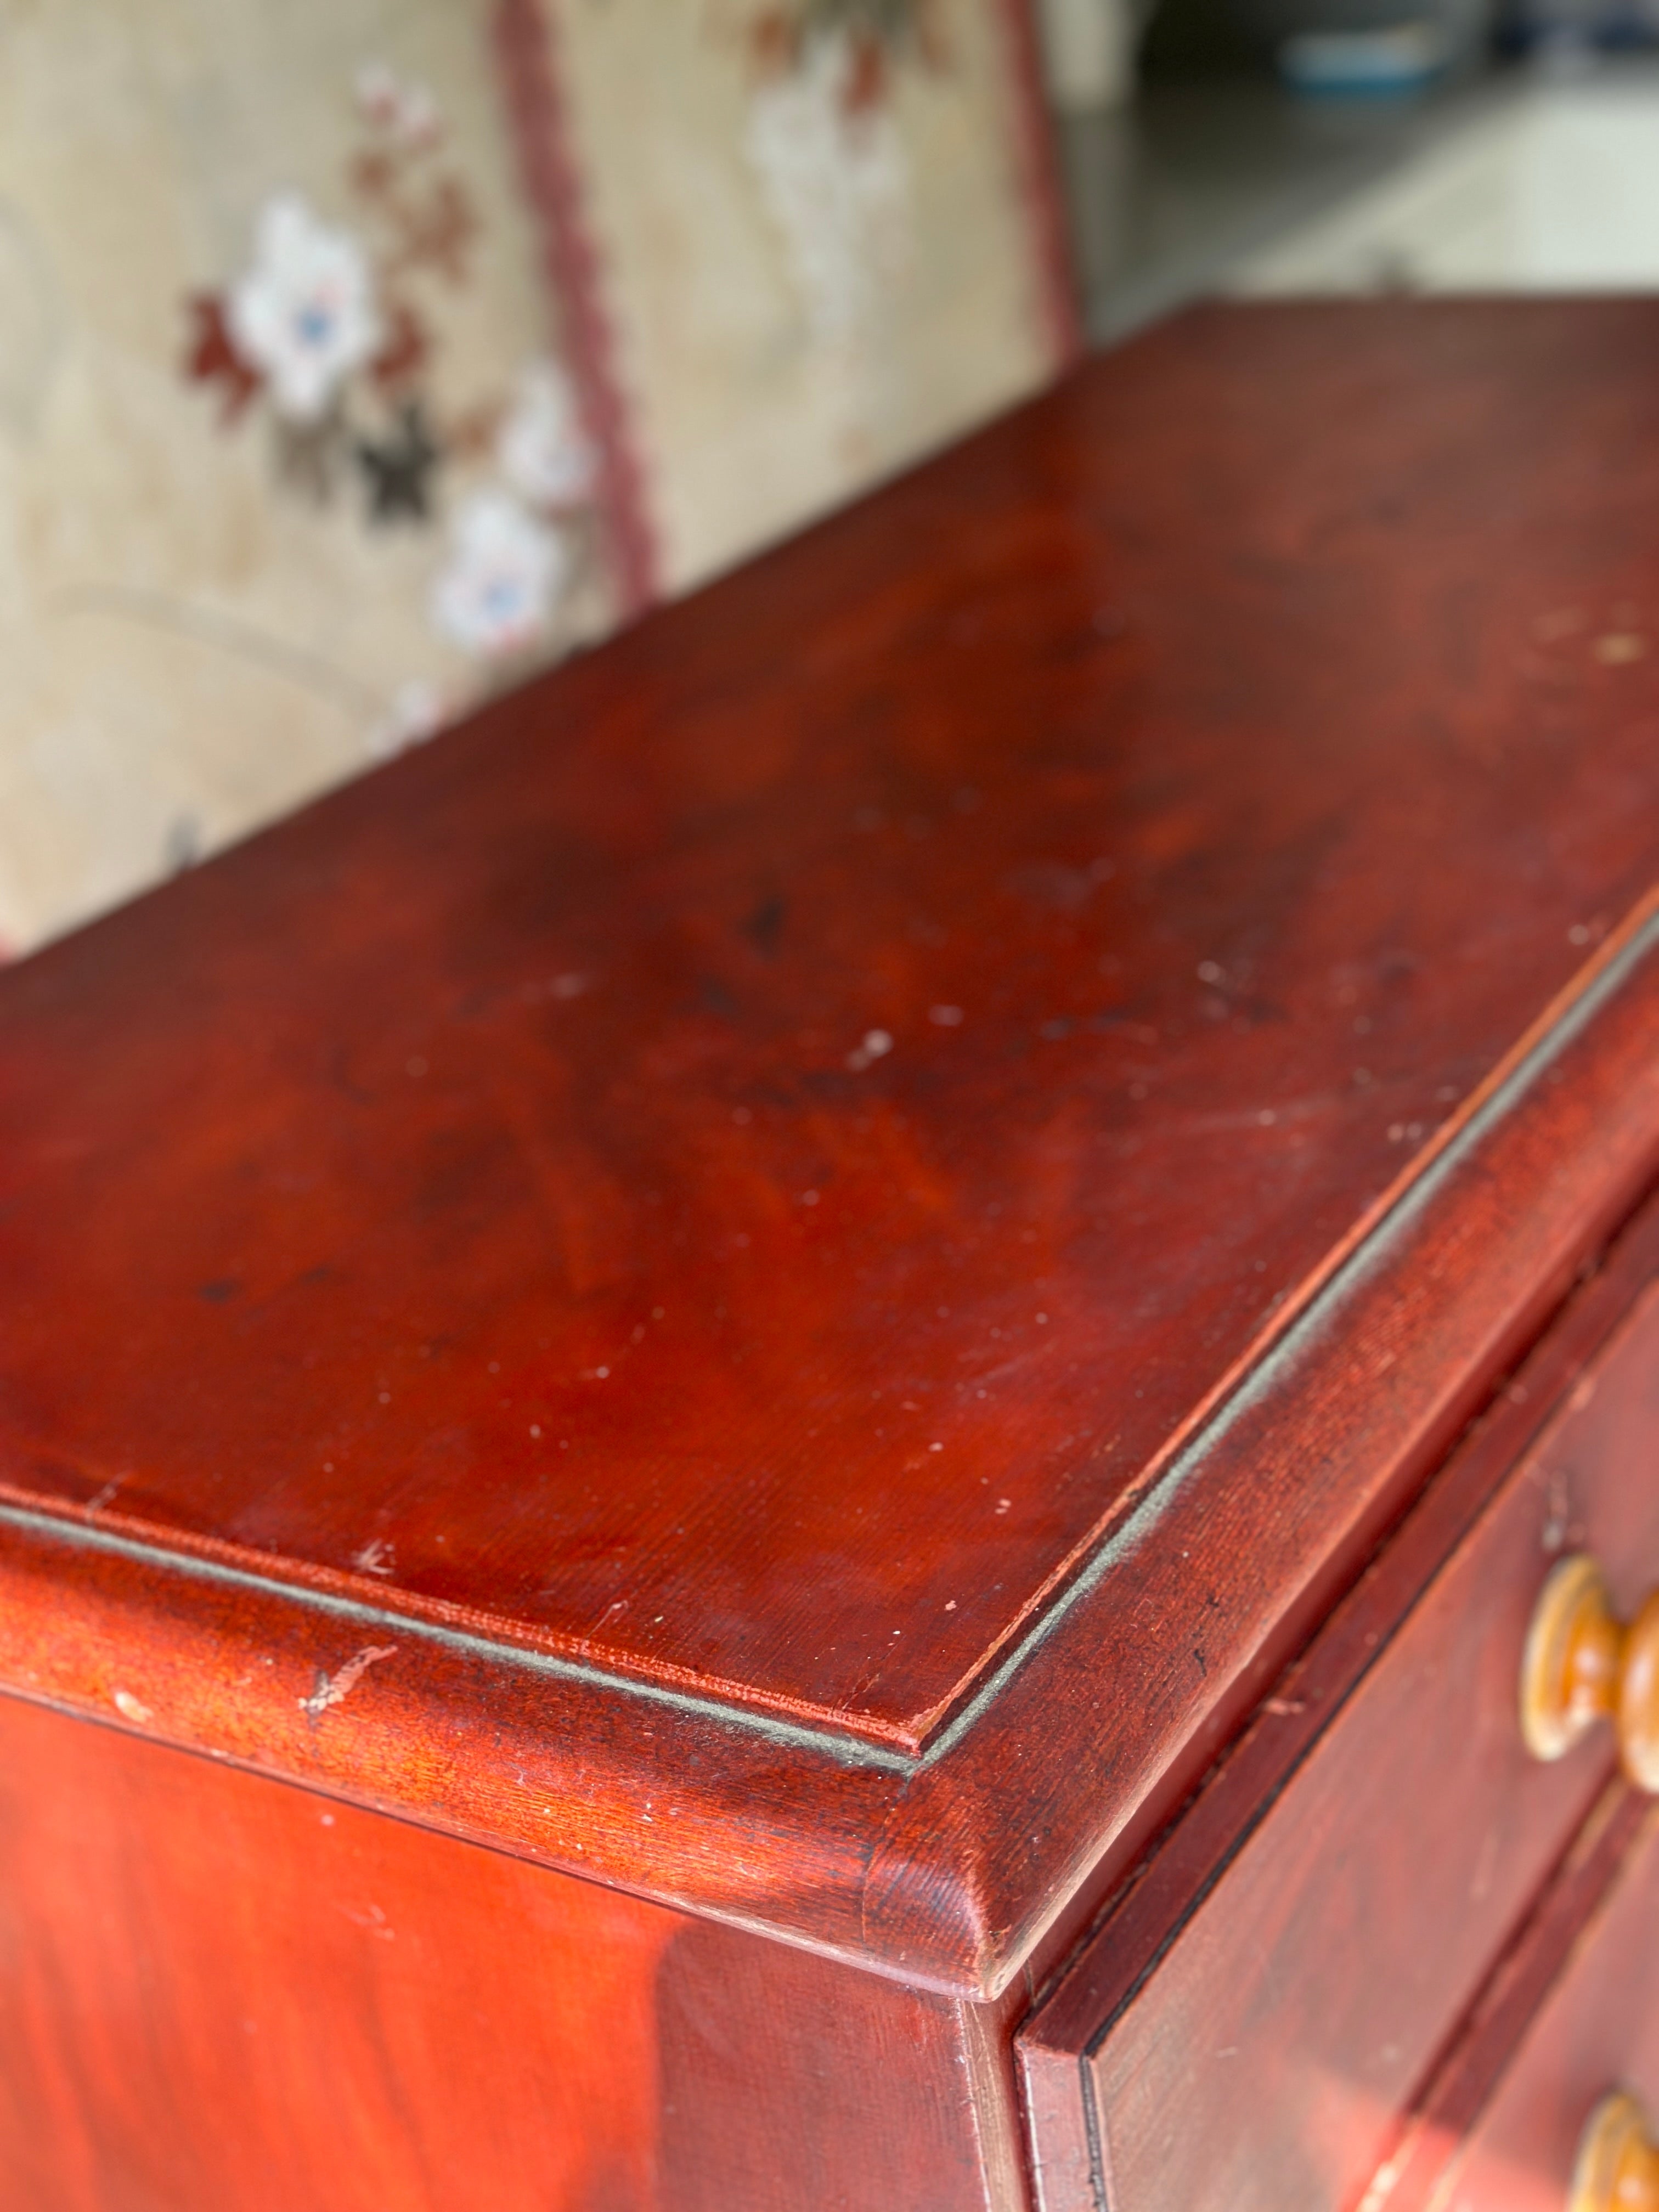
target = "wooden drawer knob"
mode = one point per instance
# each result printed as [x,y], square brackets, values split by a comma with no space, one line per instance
[1583,1664]
[1616,2168]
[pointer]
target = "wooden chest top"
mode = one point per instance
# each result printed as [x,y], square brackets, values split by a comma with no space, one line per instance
[844,1212]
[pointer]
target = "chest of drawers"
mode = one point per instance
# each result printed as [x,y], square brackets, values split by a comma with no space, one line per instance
[786,1432]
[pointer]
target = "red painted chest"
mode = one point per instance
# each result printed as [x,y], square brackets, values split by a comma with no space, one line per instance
[782,1433]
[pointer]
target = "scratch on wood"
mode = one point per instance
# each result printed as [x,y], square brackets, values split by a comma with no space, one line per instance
[335,1689]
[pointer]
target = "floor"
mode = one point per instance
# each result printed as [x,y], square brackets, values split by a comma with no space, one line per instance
[1510,181]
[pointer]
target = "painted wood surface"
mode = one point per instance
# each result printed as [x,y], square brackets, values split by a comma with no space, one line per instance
[222,1994]
[1272,1988]
[859,1208]
[1594,2031]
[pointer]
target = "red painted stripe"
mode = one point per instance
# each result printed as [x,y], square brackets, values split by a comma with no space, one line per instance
[1039,183]
[525,35]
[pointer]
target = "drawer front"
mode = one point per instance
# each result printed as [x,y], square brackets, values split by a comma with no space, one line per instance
[1597,2033]
[1264,2061]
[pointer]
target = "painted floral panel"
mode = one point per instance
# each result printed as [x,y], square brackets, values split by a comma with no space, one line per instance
[291,470]
[359,356]
[824,235]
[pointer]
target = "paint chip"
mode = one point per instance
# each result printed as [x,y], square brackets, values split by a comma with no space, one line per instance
[877,1044]
[335,1689]
[133,1709]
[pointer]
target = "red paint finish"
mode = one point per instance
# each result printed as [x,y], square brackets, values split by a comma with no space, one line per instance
[1596,2030]
[223,1995]
[483,1186]
[1301,1999]
[1434,2133]
[541,1205]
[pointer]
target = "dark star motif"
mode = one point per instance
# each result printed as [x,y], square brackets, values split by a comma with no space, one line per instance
[397,470]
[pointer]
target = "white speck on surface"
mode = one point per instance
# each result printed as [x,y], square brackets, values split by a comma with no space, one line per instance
[335,1689]
[376,1557]
[946,1018]
[133,1709]
[877,1044]
[325,1819]
[936,1448]
[534,1428]
[372,1919]
[1211,971]
[1002,1503]
[1042,1320]
[950,1605]
[603,1373]
[569,986]
[1267,1117]
[385,1397]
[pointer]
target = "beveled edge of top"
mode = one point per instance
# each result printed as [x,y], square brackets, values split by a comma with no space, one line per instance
[946,1869]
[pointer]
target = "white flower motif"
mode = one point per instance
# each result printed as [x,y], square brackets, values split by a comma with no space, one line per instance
[304,313]
[504,573]
[836,183]
[542,449]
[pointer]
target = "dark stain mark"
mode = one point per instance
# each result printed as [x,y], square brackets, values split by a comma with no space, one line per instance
[764,927]
[219,1292]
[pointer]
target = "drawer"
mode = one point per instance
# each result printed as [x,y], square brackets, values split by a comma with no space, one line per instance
[1595,2035]
[1302,1991]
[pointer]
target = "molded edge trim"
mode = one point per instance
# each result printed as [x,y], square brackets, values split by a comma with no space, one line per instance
[946,1871]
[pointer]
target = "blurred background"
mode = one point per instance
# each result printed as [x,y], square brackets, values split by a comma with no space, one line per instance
[1260,147]
[359,358]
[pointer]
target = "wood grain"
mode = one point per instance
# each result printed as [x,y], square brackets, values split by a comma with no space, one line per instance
[222,1994]
[479,1219]
[1279,1977]
[1432,2134]
[1595,2031]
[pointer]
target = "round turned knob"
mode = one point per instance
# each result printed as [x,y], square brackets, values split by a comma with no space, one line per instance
[1583,1664]
[1616,2168]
